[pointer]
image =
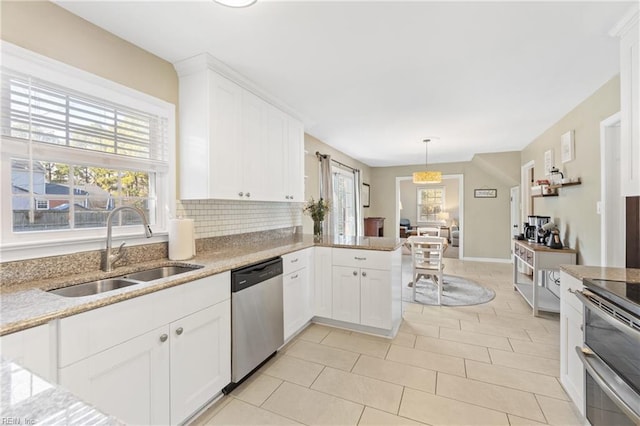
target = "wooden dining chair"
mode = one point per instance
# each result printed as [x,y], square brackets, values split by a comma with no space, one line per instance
[427,254]
[428,231]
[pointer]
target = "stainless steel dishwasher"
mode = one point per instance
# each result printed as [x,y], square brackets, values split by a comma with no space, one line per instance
[257,329]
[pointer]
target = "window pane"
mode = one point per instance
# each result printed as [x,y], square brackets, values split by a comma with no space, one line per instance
[41,220]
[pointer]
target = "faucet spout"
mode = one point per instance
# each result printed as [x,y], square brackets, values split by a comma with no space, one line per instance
[110,259]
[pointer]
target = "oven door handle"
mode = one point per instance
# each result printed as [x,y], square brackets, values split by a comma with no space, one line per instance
[622,326]
[610,383]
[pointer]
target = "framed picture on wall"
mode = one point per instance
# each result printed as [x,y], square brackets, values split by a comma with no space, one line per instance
[366,195]
[485,193]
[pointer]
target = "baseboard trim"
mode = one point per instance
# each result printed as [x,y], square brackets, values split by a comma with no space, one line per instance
[487,259]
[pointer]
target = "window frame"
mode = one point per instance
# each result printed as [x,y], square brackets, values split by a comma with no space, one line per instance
[419,202]
[25,245]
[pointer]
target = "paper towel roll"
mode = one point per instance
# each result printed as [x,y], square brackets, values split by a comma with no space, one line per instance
[182,242]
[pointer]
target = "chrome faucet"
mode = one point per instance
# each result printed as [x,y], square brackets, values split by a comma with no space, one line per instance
[109,259]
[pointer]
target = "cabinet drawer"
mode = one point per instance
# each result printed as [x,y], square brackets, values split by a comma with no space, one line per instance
[569,284]
[296,260]
[91,332]
[373,259]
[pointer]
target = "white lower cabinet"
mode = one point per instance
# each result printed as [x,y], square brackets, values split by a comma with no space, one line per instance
[571,336]
[297,290]
[32,348]
[346,294]
[322,288]
[375,294]
[163,375]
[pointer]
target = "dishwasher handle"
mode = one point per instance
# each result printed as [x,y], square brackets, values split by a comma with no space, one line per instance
[254,274]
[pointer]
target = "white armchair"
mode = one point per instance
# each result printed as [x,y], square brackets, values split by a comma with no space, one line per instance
[455,236]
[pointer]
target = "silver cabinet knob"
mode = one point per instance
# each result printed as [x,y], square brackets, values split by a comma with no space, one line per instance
[179,330]
[240,194]
[164,337]
[355,273]
[364,274]
[248,194]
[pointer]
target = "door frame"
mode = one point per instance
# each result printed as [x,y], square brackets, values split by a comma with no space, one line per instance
[460,178]
[611,216]
[526,201]
[515,204]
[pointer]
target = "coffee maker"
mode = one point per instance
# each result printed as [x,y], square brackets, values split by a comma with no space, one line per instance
[533,225]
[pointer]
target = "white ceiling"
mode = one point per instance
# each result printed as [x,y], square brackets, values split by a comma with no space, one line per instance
[374,78]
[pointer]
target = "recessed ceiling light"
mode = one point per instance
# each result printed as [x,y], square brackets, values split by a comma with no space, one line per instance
[236,3]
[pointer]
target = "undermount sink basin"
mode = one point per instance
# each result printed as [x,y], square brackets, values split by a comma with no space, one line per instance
[93,287]
[161,272]
[101,286]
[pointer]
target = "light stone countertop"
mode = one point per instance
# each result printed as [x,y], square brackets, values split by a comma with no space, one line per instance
[29,305]
[616,274]
[28,399]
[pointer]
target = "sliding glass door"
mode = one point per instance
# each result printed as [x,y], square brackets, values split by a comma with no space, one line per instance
[343,206]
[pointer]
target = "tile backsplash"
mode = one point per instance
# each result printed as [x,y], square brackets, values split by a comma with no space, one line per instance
[214,218]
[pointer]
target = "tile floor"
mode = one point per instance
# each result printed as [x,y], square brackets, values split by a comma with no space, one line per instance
[490,364]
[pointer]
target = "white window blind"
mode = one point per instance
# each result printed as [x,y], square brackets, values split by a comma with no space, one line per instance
[37,111]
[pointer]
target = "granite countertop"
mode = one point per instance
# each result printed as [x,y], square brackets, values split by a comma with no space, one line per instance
[28,399]
[615,274]
[28,304]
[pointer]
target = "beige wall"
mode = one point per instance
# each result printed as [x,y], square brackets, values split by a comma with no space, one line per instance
[409,198]
[486,225]
[574,210]
[312,175]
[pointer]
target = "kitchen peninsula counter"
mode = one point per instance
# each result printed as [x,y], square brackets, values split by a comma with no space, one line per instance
[27,304]
[603,273]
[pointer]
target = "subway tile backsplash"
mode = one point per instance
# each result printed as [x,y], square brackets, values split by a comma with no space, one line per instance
[214,218]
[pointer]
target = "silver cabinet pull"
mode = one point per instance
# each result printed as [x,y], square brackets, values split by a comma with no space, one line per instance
[164,337]
[355,273]
[248,194]
[294,260]
[359,258]
[179,331]
[240,194]
[293,277]
[364,274]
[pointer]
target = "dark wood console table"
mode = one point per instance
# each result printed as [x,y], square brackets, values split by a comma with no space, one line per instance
[374,226]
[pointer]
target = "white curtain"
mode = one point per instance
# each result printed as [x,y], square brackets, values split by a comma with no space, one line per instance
[357,177]
[326,188]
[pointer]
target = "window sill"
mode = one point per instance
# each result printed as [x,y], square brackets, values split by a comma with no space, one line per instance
[23,251]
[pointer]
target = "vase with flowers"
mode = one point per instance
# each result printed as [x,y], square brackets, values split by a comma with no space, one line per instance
[317,210]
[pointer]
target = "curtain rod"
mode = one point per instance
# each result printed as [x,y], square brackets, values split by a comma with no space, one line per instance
[335,161]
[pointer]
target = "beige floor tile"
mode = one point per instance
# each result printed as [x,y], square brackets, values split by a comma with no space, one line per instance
[404,339]
[374,393]
[558,412]
[493,330]
[487,395]
[447,347]
[241,413]
[449,312]
[394,372]
[211,412]
[428,360]
[433,319]
[357,343]
[419,328]
[373,417]
[550,367]
[411,307]
[537,349]
[526,323]
[322,354]
[294,370]
[312,407]
[472,338]
[436,410]
[544,337]
[518,379]
[519,421]
[256,389]
[314,333]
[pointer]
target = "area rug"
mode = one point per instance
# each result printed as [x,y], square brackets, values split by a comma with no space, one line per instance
[457,291]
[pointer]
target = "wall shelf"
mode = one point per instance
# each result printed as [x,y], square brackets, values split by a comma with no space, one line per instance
[562,185]
[544,195]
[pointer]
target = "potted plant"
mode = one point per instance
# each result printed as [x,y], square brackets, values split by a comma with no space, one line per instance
[317,210]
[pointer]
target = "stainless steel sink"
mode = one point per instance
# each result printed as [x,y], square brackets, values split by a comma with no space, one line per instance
[101,286]
[93,287]
[161,272]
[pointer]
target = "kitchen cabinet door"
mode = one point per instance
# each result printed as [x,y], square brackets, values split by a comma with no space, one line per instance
[129,381]
[346,294]
[294,161]
[571,335]
[255,148]
[200,359]
[295,293]
[375,297]
[630,110]
[322,287]
[275,175]
[31,348]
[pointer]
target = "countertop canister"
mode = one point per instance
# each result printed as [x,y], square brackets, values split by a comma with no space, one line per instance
[182,242]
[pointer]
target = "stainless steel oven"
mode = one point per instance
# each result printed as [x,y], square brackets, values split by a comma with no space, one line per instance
[611,352]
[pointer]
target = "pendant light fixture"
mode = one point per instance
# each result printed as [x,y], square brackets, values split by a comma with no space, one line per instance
[235,3]
[427,176]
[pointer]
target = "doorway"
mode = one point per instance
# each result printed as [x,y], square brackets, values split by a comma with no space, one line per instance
[516,218]
[612,203]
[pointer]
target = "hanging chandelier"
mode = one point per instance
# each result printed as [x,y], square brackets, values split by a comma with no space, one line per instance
[427,176]
[235,3]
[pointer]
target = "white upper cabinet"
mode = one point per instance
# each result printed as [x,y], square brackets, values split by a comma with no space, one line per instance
[234,144]
[628,31]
